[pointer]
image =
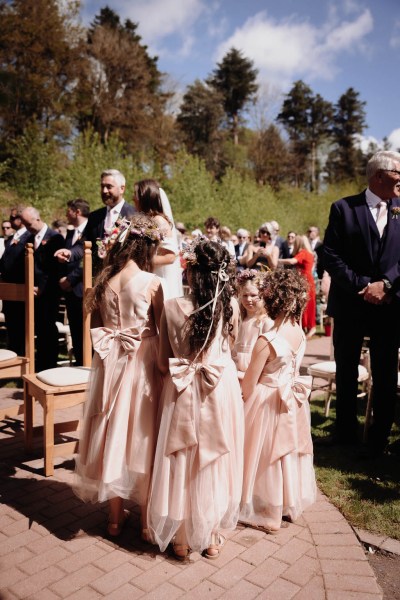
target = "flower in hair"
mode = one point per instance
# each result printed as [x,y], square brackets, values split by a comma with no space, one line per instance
[256,277]
[188,253]
[124,228]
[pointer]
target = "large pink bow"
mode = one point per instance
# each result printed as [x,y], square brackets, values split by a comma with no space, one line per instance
[293,428]
[182,433]
[114,347]
[104,338]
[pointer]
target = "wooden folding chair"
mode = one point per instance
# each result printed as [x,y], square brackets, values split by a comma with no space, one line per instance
[11,365]
[59,388]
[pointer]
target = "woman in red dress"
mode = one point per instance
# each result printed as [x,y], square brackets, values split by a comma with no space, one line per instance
[303,259]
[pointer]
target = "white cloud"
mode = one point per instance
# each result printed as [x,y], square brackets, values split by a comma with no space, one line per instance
[395,37]
[290,49]
[394,139]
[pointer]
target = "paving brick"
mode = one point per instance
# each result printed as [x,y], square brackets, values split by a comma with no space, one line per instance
[79,543]
[323,517]
[111,560]
[370,538]
[292,551]
[113,580]
[35,583]
[5,521]
[11,576]
[280,590]
[51,557]
[313,590]
[351,583]
[79,559]
[192,575]
[146,561]
[18,541]
[206,589]
[390,545]
[154,577]
[15,557]
[231,573]
[44,595]
[335,539]
[347,567]
[75,581]
[302,570]
[267,572]
[330,527]
[8,595]
[259,551]
[42,545]
[166,591]
[337,595]
[286,534]
[305,536]
[243,589]
[341,552]
[126,592]
[248,536]
[230,551]
[85,593]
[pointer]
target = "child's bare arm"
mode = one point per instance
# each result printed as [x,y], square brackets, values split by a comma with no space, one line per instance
[259,357]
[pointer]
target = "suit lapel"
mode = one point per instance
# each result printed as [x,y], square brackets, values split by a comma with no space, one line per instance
[361,210]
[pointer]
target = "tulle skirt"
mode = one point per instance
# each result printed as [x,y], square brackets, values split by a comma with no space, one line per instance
[272,487]
[193,500]
[117,445]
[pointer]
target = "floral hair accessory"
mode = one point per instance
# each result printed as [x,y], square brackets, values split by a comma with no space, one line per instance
[124,228]
[188,252]
[252,275]
[395,212]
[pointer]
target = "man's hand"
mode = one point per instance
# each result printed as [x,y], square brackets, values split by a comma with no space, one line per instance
[63,255]
[64,284]
[374,293]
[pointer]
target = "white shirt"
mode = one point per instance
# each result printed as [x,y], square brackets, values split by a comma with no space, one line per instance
[39,236]
[18,234]
[113,214]
[78,232]
[373,202]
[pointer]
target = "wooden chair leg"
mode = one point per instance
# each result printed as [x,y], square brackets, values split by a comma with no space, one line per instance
[48,435]
[29,405]
[328,398]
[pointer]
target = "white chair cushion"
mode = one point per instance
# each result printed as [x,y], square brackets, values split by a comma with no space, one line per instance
[323,368]
[62,328]
[7,354]
[61,376]
[328,369]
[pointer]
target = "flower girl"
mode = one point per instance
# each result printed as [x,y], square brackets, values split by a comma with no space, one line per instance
[116,449]
[278,477]
[254,319]
[198,467]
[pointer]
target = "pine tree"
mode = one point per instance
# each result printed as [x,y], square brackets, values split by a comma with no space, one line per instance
[235,78]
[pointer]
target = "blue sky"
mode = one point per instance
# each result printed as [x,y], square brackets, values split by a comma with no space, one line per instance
[331,46]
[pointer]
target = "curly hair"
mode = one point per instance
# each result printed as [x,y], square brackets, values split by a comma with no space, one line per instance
[285,291]
[251,276]
[138,248]
[203,277]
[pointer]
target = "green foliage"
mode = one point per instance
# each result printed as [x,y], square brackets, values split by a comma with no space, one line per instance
[36,169]
[90,158]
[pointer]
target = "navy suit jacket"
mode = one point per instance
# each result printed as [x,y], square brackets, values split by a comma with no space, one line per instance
[46,266]
[355,255]
[73,269]
[12,263]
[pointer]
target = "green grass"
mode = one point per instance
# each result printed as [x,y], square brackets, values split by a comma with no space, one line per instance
[367,492]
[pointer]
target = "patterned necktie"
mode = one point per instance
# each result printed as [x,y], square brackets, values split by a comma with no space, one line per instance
[75,237]
[381,219]
[108,223]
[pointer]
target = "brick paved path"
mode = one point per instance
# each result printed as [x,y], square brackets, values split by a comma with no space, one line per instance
[52,546]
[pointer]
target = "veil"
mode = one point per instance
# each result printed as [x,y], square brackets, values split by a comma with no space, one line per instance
[166,206]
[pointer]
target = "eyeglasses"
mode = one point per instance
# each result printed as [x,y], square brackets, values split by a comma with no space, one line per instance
[391,171]
[241,237]
[265,233]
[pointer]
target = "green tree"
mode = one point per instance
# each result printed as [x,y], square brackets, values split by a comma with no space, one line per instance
[200,119]
[346,159]
[307,119]
[39,61]
[270,157]
[120,91]
[235,78]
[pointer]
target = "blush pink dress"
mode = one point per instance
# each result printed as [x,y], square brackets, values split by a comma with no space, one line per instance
[249,330]
[279,477]
[198,467]
[119,435]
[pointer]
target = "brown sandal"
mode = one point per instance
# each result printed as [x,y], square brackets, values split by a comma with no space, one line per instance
[181,551]
[217,543]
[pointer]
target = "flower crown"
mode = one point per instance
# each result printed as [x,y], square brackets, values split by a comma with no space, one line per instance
[188,252]
[256,277]
[124,228]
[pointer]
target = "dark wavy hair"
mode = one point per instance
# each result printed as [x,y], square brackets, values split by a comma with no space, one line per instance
[140,249]
[203,278]
[285,291]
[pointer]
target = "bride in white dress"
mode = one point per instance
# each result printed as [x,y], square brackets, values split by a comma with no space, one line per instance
[150,199]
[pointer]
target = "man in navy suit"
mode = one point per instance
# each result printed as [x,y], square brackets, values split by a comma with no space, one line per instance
[362,256]
[12,270]
[47,293]
[112,188]
[71,273]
